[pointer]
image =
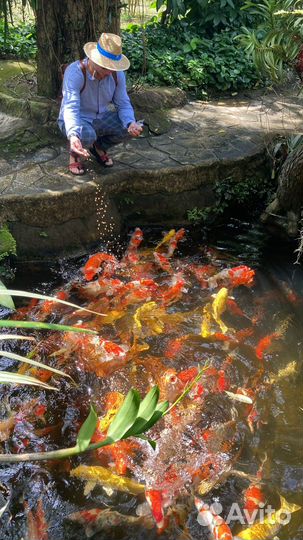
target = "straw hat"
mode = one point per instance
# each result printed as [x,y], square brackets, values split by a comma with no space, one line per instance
[107,52]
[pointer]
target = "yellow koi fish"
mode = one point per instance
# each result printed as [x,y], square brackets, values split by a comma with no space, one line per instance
[218,308]
[271,524]
[206,321]
[166,239]
[104,477]
[149,313]
[284,373]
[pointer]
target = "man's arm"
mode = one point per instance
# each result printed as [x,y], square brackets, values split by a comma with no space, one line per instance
[122,102]
[72,84]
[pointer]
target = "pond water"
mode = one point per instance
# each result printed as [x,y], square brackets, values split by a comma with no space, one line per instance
[205,438]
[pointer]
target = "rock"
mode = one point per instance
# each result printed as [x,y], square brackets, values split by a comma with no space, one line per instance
[152,99]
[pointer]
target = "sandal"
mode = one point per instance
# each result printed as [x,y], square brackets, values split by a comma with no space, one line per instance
[103,159]
[76,168]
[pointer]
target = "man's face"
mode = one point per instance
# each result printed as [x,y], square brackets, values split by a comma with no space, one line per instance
[99,72]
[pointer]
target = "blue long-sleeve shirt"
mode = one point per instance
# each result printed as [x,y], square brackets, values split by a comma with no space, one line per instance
[94,100]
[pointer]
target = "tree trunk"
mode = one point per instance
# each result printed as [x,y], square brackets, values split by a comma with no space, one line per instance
[63,27]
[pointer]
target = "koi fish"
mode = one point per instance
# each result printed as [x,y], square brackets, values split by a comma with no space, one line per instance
[253,498]
[174,347]
[163,262]
[206,321]
[158,501]
[94,265]
[202,273]
[166,239]
[37,526]
[264,344]
[95,354]
[149,314]
[270,525]
[219,306]
[173,242]
[140,290]
[170,385]
[174,291]
[98,520]
[131,255]
[233,277]
[48,306]
[217,526]
[289,371]
[104,477]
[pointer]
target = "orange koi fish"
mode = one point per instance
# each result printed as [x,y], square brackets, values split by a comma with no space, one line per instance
[174,347]
[37,526]
[174,291]
[22,312]
[217,526]
[233,277]
[233,308]
[94,265]
[265,343]
[49,305]
[170,385]
[163,262]
[202,273]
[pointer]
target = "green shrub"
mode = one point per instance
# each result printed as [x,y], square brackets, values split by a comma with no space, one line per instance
[19,41]
[179,55]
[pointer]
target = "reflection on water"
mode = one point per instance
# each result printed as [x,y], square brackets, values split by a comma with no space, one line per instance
[204,439]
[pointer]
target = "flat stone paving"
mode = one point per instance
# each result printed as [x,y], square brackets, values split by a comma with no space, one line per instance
[200,134]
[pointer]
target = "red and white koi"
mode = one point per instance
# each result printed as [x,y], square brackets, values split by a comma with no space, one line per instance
[158,500]
[100,262]
[217,526]
[233,277]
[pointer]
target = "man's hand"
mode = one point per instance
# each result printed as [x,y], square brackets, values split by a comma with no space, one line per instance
[76,146]
[135,129]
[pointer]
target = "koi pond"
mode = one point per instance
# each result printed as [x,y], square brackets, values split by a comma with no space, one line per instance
[213,330]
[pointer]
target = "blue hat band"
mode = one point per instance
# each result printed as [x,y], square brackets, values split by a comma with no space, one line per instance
[109,55]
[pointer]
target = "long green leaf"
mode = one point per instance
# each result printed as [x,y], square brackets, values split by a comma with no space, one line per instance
[26,294]
[87,430]
[44,326]
[145,412]
[20,358]
[5,298]
[14,378]
[16,336]
[125,417]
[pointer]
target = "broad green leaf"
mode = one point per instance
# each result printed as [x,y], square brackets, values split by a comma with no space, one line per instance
[26,294]
[125,417]
[145,412]
[14,378]
[44,326]
[5,298]
[87,430]
[159,412]
[16,336]
[20,358]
